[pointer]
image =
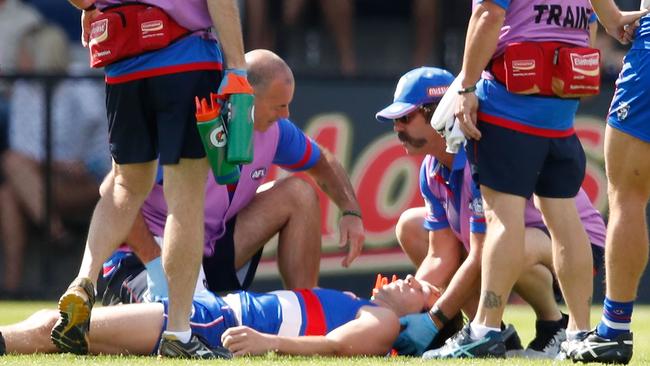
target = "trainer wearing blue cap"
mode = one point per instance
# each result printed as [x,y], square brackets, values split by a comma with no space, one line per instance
[452,226]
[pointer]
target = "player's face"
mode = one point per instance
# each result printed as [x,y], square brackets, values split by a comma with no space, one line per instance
[414,131]
[407,296]
[272,103]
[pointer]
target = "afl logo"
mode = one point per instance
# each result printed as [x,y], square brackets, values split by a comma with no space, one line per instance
[218,137]
[258,174]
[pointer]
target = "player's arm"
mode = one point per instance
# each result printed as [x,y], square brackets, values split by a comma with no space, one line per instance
[464,283]
[227,23]
[442,259]
[331,177]
[615,21]
[371,333]
[141,240]
[480,44]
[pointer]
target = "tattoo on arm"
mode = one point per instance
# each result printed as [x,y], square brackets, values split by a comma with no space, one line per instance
[491,300]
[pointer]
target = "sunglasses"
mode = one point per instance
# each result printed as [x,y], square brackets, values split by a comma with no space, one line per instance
[405,120]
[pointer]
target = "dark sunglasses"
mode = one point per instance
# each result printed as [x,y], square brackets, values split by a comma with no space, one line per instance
[405,120]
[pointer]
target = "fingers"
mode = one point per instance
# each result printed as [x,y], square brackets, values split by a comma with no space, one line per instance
[352,235]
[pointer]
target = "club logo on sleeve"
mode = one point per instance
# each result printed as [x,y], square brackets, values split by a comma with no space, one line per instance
[622,111]
[476,206]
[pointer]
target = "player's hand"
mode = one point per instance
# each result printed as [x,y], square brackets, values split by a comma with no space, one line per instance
[234,82]
[352,234]
[243,341]
[466,115]
[625,26]
[418,332]
[87,18]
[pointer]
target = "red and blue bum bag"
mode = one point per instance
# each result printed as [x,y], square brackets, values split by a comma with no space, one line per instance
[128,30]
[548,68]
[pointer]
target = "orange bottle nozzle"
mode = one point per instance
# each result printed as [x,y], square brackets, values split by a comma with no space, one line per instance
[204,112]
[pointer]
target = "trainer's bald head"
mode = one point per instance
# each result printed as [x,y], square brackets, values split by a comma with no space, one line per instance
[265,67]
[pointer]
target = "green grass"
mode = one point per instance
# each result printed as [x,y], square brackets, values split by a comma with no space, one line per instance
[521,316]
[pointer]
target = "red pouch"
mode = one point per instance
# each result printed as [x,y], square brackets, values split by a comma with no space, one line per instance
[524,68]
[130,30]
[105,48]
[154,29]
[576,72]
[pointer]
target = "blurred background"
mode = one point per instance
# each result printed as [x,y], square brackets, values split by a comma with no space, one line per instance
[346,55]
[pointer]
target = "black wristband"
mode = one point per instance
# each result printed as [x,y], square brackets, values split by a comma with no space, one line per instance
[351,213]
[469,89]
[90,8]
[435,311]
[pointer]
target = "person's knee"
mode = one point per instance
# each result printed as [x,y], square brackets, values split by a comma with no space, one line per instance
[408,226]
[300,194]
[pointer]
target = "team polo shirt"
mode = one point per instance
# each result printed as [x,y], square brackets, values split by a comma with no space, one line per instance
[282,144]
[564,21]
[452,199]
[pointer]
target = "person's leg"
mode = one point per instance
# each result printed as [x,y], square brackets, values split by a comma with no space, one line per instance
[260,34]
[339,15]
[127,329]
[411,235]
[14,238]
[572,257]
[425,13]
[504,214]
[291,209]
[121,199]
[184,191]
[626,250]
[535,284]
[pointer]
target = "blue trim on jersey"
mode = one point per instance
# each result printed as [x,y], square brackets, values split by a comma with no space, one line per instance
[502,3]
[434,205]
[191,49]
[292,148]
[549,113]
[642,34]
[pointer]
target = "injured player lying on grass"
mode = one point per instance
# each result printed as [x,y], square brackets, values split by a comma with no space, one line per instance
[301,322]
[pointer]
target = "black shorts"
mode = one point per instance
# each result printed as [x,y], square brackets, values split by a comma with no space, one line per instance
[220,272]
[128,283]
[512,162]
[154,117]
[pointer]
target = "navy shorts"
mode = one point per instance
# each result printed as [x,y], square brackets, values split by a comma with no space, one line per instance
[512,162]
[220,272]
[154,117]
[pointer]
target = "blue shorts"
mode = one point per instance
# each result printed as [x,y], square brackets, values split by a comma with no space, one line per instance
[630,108]
[210,318]
[512,162]
[155,117]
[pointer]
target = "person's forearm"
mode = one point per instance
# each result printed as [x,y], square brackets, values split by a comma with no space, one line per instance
[142,242]
[607,11]
[227,23]
[333,180]
[81,4]
[481,41]
[306,345]
[465,282]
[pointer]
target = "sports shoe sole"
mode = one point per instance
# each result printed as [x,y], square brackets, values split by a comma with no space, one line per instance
[68,334]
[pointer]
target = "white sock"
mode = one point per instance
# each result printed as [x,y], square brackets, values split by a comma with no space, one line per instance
[572,335]
[479,331]
[181,336]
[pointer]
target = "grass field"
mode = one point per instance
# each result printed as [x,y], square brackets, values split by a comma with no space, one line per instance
[521,316]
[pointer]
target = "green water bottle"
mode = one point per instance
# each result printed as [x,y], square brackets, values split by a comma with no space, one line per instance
[240,128]
[215,139]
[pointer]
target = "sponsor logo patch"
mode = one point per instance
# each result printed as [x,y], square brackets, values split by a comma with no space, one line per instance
[99,31]
[258,173]
[151,26]
[585,64]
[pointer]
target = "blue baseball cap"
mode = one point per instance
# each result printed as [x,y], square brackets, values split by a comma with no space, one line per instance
[419,86]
